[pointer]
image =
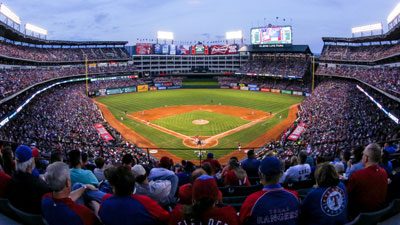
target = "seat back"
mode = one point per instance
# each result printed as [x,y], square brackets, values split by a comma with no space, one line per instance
[373,218]
[27,218]
[231,200]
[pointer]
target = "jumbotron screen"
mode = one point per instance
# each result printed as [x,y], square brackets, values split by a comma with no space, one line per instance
[274,35]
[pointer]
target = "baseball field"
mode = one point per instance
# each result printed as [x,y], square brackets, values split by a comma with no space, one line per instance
[179,122]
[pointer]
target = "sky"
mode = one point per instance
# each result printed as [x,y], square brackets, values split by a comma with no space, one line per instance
[198,20]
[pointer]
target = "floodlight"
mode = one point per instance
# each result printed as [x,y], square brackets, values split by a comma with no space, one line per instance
[395,12]
[234,35]
[165,35]
[9,14]
[371,27]
[35,29]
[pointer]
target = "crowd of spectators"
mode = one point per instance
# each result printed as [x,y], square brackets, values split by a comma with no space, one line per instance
[115,83]
[61,120]
[339,116]
[14,80]
[384,78]
[284,65]
[175,80]
[61,54]
[265,82]
[359,53]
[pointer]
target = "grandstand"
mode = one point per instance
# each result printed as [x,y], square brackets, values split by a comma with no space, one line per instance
[336,158]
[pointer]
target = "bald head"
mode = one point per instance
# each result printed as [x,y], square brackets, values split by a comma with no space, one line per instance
[373,151]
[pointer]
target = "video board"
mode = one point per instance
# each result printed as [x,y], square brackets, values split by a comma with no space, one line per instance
[271,35]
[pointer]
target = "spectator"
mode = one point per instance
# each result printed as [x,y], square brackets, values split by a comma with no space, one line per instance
[79,175]
[158,190]
[386,163]
[235,175]
[215,165]
[8,161]
[327,203]
[297,173]
[273,204]
[367,187]
[128,161]
[204,210]
[99,170]
[4,182]
[25,190]
[251,164]
[163,173]
[125,208]
[357,164]
[185,191]
[59,207]
[184,176]
[56,156]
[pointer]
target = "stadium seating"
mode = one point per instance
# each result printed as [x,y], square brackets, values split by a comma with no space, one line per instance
[61,54]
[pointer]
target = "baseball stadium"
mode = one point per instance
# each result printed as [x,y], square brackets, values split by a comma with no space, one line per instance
[249,127]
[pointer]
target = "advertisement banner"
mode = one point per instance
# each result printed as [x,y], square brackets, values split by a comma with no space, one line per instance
[161,88]
[286,92]
[158,85]
[224,87]
[103,132]
[174,87]
[236,87]
[254,89]
[244,88]
[265,90]
[164,49]
[252,85]
[112,91]
[275,91]
[297,132]
[297,93]
[183,50]
[157,49]
[233,84]
[224,49]
[172,49]
[153,88]
[142,88]
[144,49]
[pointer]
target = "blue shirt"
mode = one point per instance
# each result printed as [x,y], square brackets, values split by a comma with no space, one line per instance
[251,167]
[356,167]
[325,205]
[83,176]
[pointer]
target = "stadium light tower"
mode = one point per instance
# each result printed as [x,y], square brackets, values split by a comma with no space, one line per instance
[35,29]
[164,35]
[234,35]
[367,28]
[10,15]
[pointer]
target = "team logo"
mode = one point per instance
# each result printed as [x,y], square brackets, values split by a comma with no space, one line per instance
[333,201]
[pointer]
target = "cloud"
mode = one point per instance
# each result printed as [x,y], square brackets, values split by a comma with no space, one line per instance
[100,17]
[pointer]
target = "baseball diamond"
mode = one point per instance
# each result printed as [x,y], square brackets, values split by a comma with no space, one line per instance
[164,119]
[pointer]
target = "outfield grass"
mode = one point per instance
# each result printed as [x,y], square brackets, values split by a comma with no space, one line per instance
[134,102]
[218,123]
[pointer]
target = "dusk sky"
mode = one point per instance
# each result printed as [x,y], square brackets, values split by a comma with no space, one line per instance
[200,20]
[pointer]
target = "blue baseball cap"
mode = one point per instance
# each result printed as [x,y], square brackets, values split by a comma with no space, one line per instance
[210,155]
[23,153]
[271,166]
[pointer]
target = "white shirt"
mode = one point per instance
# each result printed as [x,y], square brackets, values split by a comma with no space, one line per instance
[296,173]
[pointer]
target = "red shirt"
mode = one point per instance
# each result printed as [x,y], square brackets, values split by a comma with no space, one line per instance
[367,189]
[4,181]
[215,216]
[231,179]
[214,164]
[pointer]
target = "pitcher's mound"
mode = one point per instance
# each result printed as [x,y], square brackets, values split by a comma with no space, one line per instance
[200,122]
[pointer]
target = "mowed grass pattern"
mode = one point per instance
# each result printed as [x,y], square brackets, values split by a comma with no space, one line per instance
[218,123]
[134,102]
